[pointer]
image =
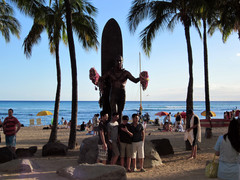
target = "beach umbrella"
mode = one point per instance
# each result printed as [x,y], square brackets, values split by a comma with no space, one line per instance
[44,113]
[183,114]
[162,113]
[211,113]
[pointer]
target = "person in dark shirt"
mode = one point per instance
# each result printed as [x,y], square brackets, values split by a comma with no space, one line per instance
[103,138]
[178,119]
[112,128]
[125,136]
[137,143]
[83,126]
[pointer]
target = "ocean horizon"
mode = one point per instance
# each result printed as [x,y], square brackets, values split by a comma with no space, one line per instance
[25,110]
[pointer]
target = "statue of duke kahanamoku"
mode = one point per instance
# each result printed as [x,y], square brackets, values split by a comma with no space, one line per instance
[117,76]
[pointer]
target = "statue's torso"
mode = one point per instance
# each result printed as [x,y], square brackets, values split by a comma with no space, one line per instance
[118,78]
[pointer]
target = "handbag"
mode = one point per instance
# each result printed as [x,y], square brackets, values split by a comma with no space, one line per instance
[211,169]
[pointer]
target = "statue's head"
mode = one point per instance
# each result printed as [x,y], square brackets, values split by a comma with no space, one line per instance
[119,62]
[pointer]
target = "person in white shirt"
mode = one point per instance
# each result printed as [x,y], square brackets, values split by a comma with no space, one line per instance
[228,149]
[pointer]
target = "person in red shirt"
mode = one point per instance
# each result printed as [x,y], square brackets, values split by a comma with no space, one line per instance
[11,126]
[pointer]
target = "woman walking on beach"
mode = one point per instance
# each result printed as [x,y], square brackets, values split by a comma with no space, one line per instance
[228,148]
[194,132]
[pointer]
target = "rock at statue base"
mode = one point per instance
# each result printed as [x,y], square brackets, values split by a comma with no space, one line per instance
[94,172]
[54,149]
[17,166]
[163,146]
[152,158]
[26,152]
[89,150]
[7,154]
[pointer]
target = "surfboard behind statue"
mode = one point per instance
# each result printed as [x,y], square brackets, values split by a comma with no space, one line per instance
[111,48]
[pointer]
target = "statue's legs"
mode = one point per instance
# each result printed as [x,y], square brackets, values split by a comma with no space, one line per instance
[117,102]
[121,104]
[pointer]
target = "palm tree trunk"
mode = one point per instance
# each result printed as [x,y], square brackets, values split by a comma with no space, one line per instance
[53,135]
[190,83]
[207,99]
[72,137]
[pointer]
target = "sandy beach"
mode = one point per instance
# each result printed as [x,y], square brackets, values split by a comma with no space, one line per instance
[174,166]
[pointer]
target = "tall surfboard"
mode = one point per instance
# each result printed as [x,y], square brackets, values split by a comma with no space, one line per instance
[110,49]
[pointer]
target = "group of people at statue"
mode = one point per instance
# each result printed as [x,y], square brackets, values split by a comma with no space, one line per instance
[126,140]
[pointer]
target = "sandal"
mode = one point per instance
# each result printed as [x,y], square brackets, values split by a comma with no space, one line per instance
[129,170]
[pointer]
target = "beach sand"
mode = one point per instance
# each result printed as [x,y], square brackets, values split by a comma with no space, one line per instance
[174,166]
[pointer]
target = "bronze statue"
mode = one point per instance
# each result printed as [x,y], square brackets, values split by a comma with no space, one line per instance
[118,78]
[114,77]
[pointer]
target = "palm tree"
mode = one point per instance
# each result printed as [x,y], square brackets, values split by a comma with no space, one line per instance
[206,10]
[53,20]
[50,19]
[165,14]
[8,23]
[78,16]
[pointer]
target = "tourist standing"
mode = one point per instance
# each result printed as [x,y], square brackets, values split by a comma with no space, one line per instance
[195,132]
[178,119]
[11,126]
[228,148]
[103,138]
[137,143]
[113,137]
[125,137]
[95,122]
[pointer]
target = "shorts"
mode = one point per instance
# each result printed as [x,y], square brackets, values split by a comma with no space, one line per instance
[138,148]
[115,149]
[95,128]
[102,154]
[11,140]
[125,148]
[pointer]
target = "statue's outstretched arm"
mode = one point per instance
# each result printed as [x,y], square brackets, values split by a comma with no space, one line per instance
[131,78]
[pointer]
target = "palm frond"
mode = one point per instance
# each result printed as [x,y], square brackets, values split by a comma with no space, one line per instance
[8,23]
[139,11]
[29,7]
[32,38]
[86,29]
[64,34]
[148,34]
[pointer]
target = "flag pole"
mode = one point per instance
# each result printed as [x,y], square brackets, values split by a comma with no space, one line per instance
[140,83]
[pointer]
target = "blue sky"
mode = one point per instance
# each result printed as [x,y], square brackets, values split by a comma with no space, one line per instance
[35,78]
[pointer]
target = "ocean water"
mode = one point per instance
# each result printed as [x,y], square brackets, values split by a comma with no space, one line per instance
[25,110]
